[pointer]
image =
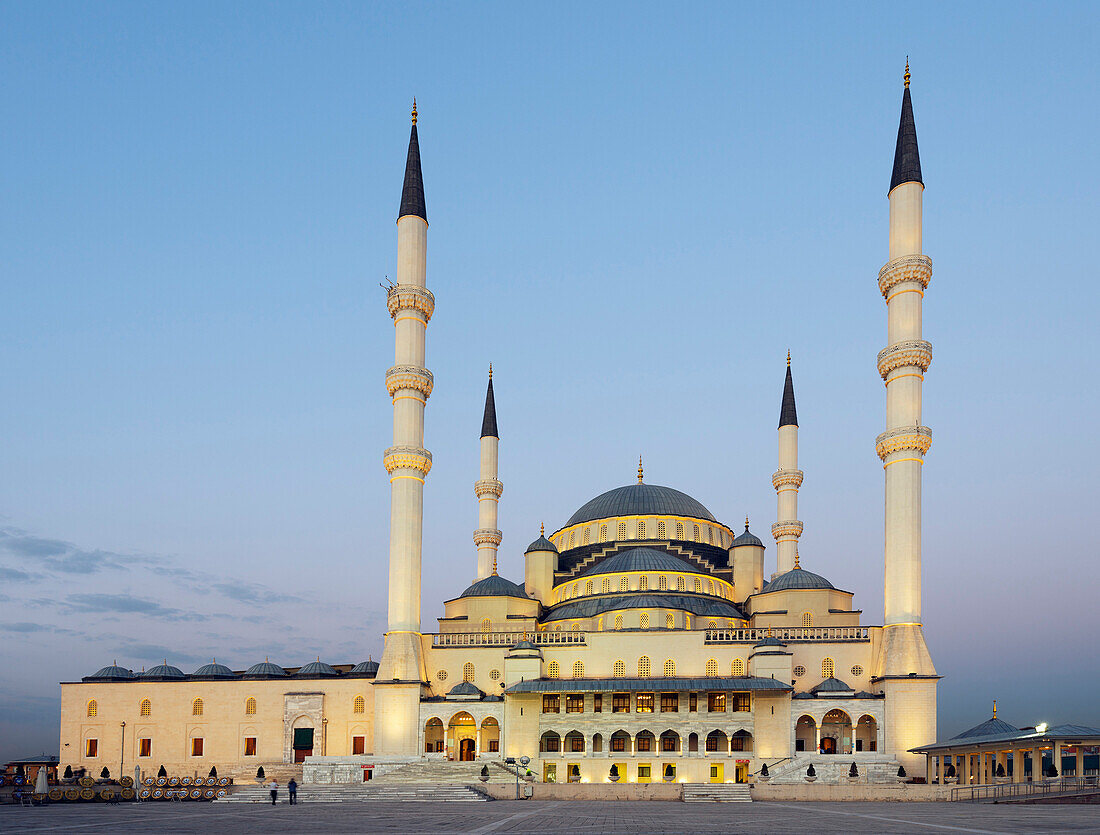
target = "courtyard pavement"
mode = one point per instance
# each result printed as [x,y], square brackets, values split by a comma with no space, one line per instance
[529,816]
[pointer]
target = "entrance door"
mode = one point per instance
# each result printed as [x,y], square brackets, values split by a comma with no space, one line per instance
[466,750]
[828,745]
[716,773]
[742,773]
[303,744]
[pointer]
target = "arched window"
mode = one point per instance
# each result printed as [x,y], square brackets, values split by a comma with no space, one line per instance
[643,620]
[695,533]
[624,584]
[687,621]
[660,530]
[712,624]
[827,668]
[710,534]
[737,668]
[698,586]
[641,529]
[599,624]
[603,533]
[679,530]
[486,625]
[662,583]
[680,584]
[670,668]
[712,667]
[553,670]
[807,619]
[619,670]
[670,621]
[576,627]
[622,530]
[467,671]
[578,669]
[196,707]
[93,708]
[643,667]
[606,587]
[643,583]
[572,538]
[146,707]
[710,587]
[575,586]
[618,621]
[588,587]
[587,535]
[250,706]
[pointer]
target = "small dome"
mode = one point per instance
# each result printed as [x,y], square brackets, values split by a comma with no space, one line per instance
[214,670]
[802,696]
[265,669]
[747,538]
[525,644]
[316,669]
[541,544]
[164,671]
[642,559]
[364,668]
[770,641]
[799,578]
[641,500]
[465,689]
[495,586]
[831,685]
[112,672]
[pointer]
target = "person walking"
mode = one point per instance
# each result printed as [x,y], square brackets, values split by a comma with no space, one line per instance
[273,787]
[292,787]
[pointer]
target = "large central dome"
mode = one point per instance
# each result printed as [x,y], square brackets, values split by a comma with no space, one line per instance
[640,500]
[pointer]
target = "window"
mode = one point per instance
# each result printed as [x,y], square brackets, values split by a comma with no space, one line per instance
[644,772]
[618,743]
[643,741]
[619,670]
[196,746]
[698,586]
[622,530]
[358,744]
[494,675]
[553,670]
[712,741]
[93,708]
[670,668]
[359,705]
[712,667]
[467,671]
[662,583]
[668,741]
[250,746]
[624,584]
[603,533]
[670,703]
[857,670]
[486,625]
[643,583]
[578,669]
[618,621]
[827,668]
[576,743]
[196,707]
[576,627]
[695,533]
[597,703]
[146,707]
[679,584]
[551,704]
[679,530]
[587,535]
[737,668]
[712,624]
[641,530]
[687,621]
[643,667]
[741,703]
[574,703]
[606,587]
[575,586]
[620,703]
[710,587]
[441,675]
[572,538]
[588,587]
[660,530]
[670,621]
[551,742]
[91,748]
[250,706]
[599,624]
[693,702]
[799,671]
[716,702]
[643,620]
[710,534]
[807,619]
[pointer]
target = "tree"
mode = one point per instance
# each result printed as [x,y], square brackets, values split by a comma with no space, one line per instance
[614,770]
[20,772]
[575,771]
[1052,771]
[853,771]
[68,775]
[485,771]
[669,773]
[213,771]
[951,771]
[764,770]
[1000,770]
[810,772]
[901,771]
[105,773]
[162,772]
[260,772]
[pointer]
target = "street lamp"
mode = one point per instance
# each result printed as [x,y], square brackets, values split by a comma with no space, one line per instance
[324,737]
[122,752]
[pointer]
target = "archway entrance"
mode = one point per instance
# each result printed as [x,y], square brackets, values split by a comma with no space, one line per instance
[461,737]
[866,734]
[828,745]
[836,726]
[805,734]
[490,735]
[466,750]
[433,736]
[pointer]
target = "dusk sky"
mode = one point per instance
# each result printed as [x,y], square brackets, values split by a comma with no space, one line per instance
[635,210]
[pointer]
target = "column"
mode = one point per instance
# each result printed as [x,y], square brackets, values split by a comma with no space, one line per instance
[1017,765]
[1079,770]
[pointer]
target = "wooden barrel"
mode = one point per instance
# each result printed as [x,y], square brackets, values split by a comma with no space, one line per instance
[162,781]
[72,794]
[149,781]
[87,794]
[55,794]
[173,781]
[145,794]
[224,781]
[158,794]
[127,793]
[209,793]
[185,781]
[222,793]
[195,794]
[87,782]
[107,793]
[126,782]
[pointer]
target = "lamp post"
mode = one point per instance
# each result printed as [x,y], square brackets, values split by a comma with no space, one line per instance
[122,752]
[324,737]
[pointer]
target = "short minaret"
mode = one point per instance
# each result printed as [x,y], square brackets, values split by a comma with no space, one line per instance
[401,670]
[488,489]
[904,666]
[787,479]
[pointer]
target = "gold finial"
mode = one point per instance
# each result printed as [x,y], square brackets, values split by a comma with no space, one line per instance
[639,469]
[769,631]
[746,521]
[542,529]
[994,708]
[414,110]
[796,565]
[906,72]
[788,358]
[490,371]
[494,564]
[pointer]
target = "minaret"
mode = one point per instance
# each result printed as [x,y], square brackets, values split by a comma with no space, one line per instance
[401,670]
[488,489]
[904,666]
[787,479]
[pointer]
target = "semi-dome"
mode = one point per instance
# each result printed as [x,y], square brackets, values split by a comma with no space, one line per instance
[495,586]
[698,605]
[112,672]
[364,668]
[747,538]
[641,500]
[265,669]
[214,670]
[798,578]
[831,685]
[164,671]
[641,559]
[316,669]
[541,544]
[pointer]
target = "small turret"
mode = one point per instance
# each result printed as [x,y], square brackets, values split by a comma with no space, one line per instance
[541,563]
[747,559]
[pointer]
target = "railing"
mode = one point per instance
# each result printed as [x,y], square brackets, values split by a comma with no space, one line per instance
[505,639]
[1038,788]
[787,634]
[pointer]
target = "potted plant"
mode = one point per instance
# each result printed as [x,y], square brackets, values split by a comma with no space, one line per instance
[259,773]
[901,774]
[811,774]
[574,774]
[484,776]
[999,775]
[853,774]
[613,775]
[68,775]
[529,776]
[764,776]
[1052,771]
[213,771]
[951,776]
[105,774]
[670,773]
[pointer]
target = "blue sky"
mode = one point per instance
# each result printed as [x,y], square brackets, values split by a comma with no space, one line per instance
[636,210]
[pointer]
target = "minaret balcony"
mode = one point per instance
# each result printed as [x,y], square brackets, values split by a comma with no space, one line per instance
[487,487]
[914,353]
[410,297]
[788,530]
[910,268]
[410,377]
[787,478]
[908,438]
[407,458]
[487,536]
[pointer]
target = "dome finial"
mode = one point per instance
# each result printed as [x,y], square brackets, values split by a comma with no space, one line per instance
[907,72]
[746,521]
[994,708]
[542,529]
[639,469]
[490,371]
[796,565]
[788,358]
[414,97]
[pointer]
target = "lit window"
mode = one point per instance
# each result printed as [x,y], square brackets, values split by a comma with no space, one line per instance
[687,621]
[737,668]
[91,748]
[486,625]
[618,621]
[587,535]
[662,583]
[196,707]
[712,667]
[622,530]
[857,670]
[552,669]
[578,669]
[196,746]
[660,530]
[680,584]
[250,746]
[645,703]
[807,619]
[670,621]
[603,533]
[551,704]
[624,584]
[643,621]
[716,702]
[588,587]
[467,671]
[441,675]
[145,747]
[695,532]
[641,530]
[698,586]
[827,668]
[575,586]
[643,583]
[494,675]
[799,671]
[574,703]
[710,534]
[606,586]
[670,667]
[93,708]
[599,624]
[679,530]
[619,670]
[359,705]
[146,707]
[713,624]
[572,538]
[710,587]
[249,706]
[576,627]
[643,667]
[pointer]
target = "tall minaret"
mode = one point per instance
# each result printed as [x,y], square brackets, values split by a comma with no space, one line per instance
[488,489]
[401,670]
[786,480]
[904,666]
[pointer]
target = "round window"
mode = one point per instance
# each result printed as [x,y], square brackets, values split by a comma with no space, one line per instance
[441,675]
[799,671]
[494,674]
[857,670]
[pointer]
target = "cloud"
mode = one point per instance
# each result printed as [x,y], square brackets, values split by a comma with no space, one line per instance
[59,556]
[253,594]
[155,651]
[14,575]
[25,627]
[128,604]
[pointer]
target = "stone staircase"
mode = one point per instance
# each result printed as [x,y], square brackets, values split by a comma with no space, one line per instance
[372,792]
[833,769]
[443,772]
[717,792]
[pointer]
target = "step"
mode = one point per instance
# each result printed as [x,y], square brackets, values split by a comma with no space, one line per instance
[717,793]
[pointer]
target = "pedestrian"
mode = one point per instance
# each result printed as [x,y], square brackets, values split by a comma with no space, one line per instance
[273,786]
[292,787]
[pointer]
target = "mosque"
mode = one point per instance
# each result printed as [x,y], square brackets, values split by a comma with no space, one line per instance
[647,639]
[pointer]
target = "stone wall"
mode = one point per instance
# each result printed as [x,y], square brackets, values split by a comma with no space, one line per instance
[849,792]
[587,791]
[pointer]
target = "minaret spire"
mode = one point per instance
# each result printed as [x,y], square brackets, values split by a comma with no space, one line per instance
[489,417]
[488,489]
[786,480]
[906,154]
[788,414]
[412,192]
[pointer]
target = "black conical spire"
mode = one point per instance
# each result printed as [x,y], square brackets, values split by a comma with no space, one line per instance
[906,155]
[489,420]
[412,192]
[787,414]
